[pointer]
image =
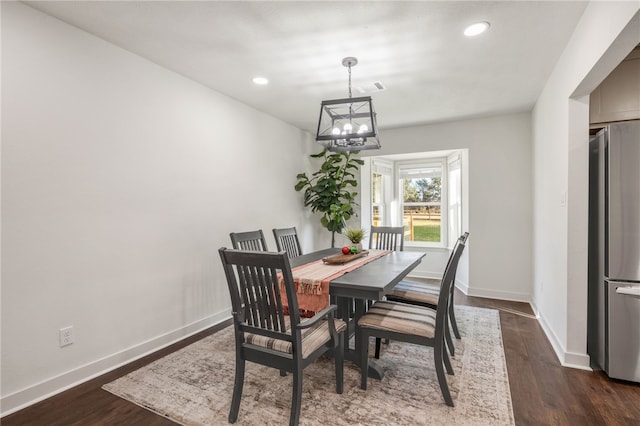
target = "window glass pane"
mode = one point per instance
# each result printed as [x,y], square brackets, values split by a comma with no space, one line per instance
[376,190]
[422,190]
[377,198]
[422,196]
[422,223]
[377,216]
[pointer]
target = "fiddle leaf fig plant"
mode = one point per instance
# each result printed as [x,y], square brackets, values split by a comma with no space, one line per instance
[330,190]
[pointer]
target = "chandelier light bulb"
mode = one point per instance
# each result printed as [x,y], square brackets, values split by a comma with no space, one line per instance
[363,128]
[335,131]
[348,127]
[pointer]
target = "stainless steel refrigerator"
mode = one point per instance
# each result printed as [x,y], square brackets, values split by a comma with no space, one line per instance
[614,250]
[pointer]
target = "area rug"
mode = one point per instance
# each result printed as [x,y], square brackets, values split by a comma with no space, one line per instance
[193,386]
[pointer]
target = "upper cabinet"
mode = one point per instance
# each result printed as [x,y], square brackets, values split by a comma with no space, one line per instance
[618,96]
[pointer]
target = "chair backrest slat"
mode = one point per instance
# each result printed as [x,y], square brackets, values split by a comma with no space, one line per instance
[287,240]
[386,238]
[251,240]
[244,280]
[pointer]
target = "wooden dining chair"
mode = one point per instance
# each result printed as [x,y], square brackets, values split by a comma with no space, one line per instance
[386,238]
[413,324]
[264,334]
[251,240]
[287,240]
[424,294]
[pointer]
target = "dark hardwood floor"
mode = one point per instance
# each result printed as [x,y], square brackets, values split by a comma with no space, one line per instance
[543,392]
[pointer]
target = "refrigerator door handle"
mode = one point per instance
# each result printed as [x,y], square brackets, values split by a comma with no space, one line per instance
[633,291]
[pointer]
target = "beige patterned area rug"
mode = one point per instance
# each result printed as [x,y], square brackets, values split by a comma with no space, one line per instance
[193,386]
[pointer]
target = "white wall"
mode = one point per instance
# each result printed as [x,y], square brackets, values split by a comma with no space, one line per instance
[602,38]
[120,180]
[497,261]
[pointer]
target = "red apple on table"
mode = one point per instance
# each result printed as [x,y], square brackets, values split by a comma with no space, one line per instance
[346,250]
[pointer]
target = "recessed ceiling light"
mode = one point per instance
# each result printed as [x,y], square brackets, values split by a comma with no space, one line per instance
[260,81]
[476,29]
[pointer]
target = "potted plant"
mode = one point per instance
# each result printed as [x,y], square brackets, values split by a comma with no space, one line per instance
[355,235]
[329,191]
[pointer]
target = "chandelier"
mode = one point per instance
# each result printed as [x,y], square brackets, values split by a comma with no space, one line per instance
[348,124]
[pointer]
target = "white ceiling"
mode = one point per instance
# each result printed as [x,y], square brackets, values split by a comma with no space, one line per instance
[431,72]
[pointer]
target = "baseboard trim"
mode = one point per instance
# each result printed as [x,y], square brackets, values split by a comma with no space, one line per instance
[463,287]
[578,361]
[495,294]
[478,292]
[565,358]
[50,387]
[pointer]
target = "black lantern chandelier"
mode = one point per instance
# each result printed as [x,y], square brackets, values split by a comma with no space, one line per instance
[348,124]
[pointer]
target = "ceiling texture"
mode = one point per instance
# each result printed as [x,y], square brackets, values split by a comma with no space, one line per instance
[429,70]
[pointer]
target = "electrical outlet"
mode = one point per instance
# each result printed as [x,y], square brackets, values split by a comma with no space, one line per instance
[66,336]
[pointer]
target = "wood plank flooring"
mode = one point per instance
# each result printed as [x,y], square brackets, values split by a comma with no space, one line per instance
[543,392]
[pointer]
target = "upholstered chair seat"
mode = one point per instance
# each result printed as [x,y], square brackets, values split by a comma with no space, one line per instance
[416,292]
[401,318]
[312,338]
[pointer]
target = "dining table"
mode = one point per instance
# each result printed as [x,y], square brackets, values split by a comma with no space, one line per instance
[354,290]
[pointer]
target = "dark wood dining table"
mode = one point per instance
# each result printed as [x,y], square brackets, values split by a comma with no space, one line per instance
[353,290]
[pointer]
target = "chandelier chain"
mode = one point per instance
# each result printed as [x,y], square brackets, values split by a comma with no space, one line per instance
[349,81]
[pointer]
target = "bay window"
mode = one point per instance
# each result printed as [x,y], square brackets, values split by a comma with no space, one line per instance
[422,192]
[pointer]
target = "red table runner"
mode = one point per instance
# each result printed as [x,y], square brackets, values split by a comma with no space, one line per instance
[312,281]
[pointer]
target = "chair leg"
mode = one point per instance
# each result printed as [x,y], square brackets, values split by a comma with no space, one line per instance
[364,360]
[454,324]
[283,373]
[338,355]
[447,362]
[452,313]
[296,399]
[442,379]
[237,390]
[378,344]
[450,345]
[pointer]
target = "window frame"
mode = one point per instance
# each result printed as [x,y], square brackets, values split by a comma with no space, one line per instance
[454,203]
[386,170]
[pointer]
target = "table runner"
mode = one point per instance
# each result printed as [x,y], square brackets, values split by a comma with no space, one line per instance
[312,279]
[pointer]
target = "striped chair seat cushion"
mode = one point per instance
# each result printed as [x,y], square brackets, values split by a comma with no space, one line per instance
[400,318]
[312,338]
[415,292]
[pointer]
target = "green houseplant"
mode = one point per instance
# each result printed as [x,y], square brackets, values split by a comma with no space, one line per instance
[330,190]
[355,235]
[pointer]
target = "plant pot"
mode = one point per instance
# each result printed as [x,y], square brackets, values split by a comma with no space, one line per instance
[358,245]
